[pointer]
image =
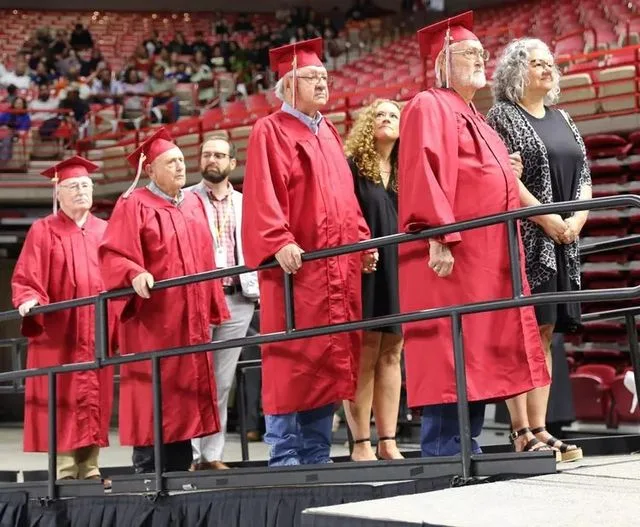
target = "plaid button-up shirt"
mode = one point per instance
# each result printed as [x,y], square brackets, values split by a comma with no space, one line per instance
[225,229]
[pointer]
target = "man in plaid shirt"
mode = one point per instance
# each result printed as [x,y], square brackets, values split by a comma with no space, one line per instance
[224,212]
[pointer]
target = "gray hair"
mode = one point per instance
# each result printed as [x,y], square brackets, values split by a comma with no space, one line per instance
[512,71]
[279,89]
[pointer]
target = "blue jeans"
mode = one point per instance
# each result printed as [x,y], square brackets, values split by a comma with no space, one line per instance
[300,438]
[440,432]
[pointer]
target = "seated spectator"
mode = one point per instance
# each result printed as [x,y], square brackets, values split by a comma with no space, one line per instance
[180,73]
[218,62]
[12,93]
[133,89]
[243,24]
[220,25]
[42,110]
[19,77]
[141,59]
[42,75]
[12,123]
[163,91]
[78,106]
[90,60]
[154,44]
[36,56]
[202,74]
[81,38]
[60,44]
[200,44]
[66,62]
[166,59]
[105,89]
[73,78]
[179,45]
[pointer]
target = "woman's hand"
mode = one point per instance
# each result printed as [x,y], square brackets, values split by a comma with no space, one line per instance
[555,227]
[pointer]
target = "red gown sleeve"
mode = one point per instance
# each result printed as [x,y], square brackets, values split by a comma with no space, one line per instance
[31,276]
[120,253]
[428,165]
[265,224]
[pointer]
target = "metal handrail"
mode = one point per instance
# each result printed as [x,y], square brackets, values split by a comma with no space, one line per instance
[290,333]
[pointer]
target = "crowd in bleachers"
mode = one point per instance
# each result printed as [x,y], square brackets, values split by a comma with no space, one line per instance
[65,68]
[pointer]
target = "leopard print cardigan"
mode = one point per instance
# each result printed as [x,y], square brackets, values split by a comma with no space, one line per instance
[540,258]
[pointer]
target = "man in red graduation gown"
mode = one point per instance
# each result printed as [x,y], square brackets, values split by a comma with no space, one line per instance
[454,167]
[159,232]
[59,261]
[302,196]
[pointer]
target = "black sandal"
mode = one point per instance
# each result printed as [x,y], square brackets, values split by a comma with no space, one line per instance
[532,443]
[388,438]
[358,441]
[567,452]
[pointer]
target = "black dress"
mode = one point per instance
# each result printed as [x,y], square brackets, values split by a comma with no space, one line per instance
[565,163]
[380,210]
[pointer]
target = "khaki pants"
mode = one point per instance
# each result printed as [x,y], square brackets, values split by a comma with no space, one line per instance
[81,463]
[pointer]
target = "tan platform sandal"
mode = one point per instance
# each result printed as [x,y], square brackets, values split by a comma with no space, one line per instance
[533,445]
[567,452]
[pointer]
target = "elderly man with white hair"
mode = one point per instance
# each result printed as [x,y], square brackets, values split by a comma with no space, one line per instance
[454,167]
[301,188]
[154,233]
[59,261]
[555,169]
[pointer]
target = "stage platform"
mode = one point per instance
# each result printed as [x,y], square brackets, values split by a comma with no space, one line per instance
[597,491]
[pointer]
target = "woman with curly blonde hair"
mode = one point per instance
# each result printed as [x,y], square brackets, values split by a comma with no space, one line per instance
[372,151]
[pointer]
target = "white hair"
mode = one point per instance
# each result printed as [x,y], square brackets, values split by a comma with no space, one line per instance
[279,89]
[512,72]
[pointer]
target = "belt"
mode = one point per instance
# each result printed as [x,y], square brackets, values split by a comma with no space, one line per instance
[232,289]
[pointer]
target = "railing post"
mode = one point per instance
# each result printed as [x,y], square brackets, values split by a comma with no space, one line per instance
[289,314]
[53,436]
[102,327]
[634,347]
[158,441]
[514,258]
[242,413]
[461,392]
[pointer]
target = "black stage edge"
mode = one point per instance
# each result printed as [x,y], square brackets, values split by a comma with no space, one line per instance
[245,497]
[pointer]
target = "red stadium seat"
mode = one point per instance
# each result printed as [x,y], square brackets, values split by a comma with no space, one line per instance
[622,398]
[590,398]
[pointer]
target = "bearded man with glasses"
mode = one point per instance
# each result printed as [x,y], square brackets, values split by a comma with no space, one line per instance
[299,180]
[59,261]
[454,167]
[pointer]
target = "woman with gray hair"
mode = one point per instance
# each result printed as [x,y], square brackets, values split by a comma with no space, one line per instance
[553,167]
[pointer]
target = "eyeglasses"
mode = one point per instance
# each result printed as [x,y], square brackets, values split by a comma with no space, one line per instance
[77,187]
[541,64]
[473,53]
[217,155]
[316,79]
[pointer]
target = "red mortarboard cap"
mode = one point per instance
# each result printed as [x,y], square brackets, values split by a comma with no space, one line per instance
[75,166]
[431,38]
[153,146]
[307,53]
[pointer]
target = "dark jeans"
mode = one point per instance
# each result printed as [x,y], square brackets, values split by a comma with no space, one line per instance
[440,433]
[177,457]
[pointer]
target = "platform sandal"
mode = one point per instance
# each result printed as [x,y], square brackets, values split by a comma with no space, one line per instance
[532,444]
[567,452]
[388,438]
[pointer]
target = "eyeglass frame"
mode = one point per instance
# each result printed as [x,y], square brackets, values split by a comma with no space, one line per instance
[314,80]
[77,187]
[218,156]
[469,53]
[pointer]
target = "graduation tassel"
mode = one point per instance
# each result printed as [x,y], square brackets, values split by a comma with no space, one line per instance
[55,192]
[294,63]
[128,192]
[447,59]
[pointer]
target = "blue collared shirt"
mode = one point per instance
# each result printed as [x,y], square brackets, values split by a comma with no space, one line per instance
[159,192]
[313,123]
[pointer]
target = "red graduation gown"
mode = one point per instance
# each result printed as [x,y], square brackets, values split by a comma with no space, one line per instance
[146,232]
[301,190]
[454,167]
[59,261]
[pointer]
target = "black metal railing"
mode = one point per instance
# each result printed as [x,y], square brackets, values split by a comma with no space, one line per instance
[290,332]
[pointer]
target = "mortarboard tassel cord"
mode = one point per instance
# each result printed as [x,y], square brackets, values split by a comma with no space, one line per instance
[294,63]
[447,59]
[55,192]
[128,192]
